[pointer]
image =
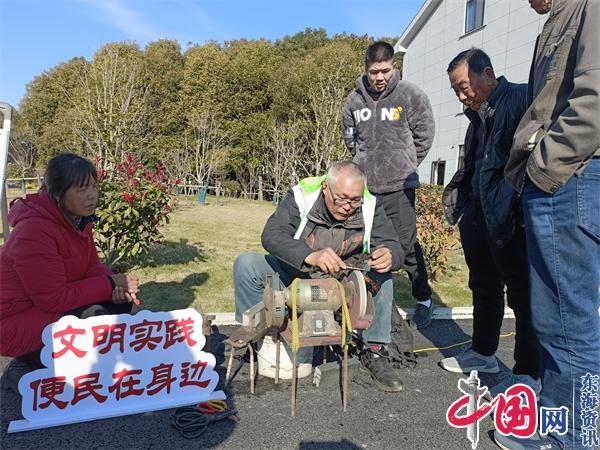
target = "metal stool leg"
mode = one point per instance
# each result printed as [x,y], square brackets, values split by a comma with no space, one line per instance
[229,366]
[277,356]
[251,349]
[345,379]
[294,382]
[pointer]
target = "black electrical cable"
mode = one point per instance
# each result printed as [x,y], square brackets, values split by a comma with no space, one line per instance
[192,423]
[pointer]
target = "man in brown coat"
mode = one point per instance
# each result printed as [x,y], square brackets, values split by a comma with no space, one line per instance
[555,165]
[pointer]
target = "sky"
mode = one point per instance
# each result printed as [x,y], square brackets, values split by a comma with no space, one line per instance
[36,35]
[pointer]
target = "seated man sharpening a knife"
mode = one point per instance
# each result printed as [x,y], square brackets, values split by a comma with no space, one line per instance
[323,226]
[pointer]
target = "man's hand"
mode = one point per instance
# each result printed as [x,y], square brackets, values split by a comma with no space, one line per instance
[327,260]
[381,260]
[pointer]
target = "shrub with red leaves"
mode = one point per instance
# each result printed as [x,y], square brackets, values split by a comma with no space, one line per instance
[434,233]
[135,201]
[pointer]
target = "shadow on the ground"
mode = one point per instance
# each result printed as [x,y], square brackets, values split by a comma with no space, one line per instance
[171,295]
[318,445]
[171,252]
[449,334]
[240,374]
[445,333]
[446,336]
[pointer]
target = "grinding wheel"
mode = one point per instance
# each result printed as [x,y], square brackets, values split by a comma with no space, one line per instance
[274,307]
[357,294]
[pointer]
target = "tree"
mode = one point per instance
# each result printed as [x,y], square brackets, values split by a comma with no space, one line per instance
[284,147]
[344,53]
[312,95]
[203,85]
[301,43]
[238,110]
[247,106]
[46,110]
[177,163]
[112,109]
[22,150]
[326,99]
[163,63]
[205,148]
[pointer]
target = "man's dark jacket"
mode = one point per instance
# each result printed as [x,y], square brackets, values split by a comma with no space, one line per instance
[322,231]
[498,199]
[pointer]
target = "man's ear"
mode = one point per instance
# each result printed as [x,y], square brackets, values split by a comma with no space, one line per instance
[394,64]
[490,76]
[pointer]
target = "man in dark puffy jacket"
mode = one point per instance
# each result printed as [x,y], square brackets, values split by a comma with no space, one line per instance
[322,223]
[485,208]
[388,127]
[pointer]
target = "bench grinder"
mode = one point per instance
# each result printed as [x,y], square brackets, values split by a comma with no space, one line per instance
[310,312]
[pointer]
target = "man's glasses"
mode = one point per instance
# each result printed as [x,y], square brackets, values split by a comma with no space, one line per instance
[337,201]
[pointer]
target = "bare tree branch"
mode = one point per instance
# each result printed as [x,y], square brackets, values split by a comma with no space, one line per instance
[112,106]
[284,153]
[207,149]
[22,150]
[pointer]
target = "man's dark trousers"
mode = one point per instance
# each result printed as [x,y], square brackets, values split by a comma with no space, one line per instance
[490,269]
[400,208]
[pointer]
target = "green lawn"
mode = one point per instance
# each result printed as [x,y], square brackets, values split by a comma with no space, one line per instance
[192,267]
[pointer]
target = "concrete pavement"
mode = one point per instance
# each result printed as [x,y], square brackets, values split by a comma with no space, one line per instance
[412,419]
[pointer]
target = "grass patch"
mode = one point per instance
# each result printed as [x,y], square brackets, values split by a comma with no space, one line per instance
[192,267]
[452,290]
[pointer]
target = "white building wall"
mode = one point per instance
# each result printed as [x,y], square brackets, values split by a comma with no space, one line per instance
[508,35]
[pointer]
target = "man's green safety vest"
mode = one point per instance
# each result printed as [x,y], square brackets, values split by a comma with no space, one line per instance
[306,194]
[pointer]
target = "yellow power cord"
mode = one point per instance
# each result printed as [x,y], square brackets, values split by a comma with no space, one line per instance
[346,323]
[294,299]
[431,349]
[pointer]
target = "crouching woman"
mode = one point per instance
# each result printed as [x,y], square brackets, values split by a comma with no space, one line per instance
[49,266]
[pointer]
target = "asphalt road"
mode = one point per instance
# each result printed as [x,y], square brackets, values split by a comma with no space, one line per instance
[412,419]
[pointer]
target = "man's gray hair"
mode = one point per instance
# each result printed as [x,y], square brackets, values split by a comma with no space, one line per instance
[347,169]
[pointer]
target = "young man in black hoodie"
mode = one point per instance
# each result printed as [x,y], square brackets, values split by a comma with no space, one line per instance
[388,128]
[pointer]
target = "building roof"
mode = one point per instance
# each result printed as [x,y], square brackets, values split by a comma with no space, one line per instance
[416,24]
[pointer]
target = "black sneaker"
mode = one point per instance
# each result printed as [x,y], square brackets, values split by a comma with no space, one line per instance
[378,364]
[422,316]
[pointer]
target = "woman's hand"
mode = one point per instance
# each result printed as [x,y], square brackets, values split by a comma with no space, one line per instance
[120,296]
[126,288]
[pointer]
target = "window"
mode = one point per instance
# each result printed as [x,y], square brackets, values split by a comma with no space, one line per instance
[474,15]
[438,169]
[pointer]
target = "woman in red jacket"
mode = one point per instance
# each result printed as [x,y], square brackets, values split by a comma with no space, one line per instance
[49,266]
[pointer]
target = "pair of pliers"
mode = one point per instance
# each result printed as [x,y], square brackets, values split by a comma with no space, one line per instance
[212,406]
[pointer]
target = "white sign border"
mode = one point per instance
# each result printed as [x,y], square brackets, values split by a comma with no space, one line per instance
[16,426]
